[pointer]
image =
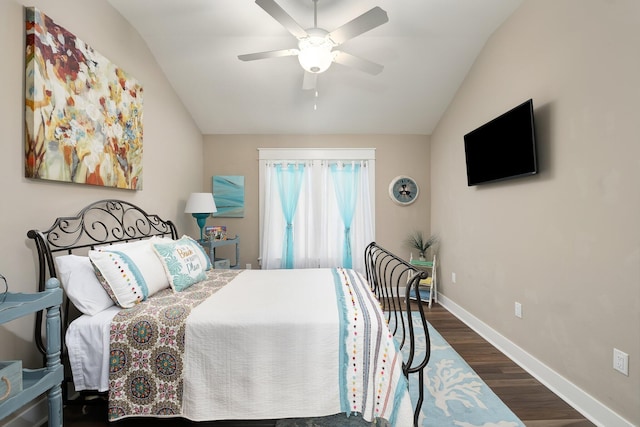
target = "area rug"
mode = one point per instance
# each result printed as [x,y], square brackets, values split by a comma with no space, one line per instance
[454,395]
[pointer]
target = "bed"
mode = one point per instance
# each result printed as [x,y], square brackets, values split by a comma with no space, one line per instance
[225,344]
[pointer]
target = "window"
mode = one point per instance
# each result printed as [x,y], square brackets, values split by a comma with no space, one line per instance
[316,207]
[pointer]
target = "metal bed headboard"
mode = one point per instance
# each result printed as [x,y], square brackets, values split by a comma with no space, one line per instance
[101,223]
[392,280]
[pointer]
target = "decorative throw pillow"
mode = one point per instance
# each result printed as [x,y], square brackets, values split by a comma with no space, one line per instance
[130,273]
[81,284]
[183,262]
[202,253]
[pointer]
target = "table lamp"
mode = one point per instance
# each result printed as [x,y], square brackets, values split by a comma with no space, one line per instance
[201,206]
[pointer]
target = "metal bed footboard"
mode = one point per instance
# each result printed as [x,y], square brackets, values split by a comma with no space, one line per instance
[105,222]
[392,279]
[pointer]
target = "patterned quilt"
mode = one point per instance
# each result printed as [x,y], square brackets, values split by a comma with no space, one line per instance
[147,347]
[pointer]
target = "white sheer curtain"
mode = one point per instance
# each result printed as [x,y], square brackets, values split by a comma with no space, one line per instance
[318,229]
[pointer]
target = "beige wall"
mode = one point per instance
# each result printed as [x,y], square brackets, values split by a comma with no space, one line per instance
[171,143]
[564,243]
[395,155]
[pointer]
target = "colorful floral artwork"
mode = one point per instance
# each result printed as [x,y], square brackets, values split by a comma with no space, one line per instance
[83,114]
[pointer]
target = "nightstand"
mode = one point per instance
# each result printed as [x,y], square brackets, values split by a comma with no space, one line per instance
[211,245]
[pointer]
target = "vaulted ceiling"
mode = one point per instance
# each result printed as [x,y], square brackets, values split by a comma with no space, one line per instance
[426,48]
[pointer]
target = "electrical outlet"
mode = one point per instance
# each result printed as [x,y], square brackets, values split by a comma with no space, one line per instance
[518,310]
[248,266]
[621,361]
[453,277]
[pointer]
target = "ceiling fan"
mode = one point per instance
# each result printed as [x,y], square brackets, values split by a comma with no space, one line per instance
[316,45]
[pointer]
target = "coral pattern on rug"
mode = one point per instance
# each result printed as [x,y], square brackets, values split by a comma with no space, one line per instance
[454,394]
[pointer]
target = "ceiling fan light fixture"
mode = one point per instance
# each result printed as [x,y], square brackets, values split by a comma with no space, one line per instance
[315,54]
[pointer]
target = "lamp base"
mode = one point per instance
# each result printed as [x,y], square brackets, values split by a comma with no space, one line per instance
[201,219]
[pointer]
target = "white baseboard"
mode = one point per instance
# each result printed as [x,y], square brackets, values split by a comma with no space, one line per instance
[584,403]
[33,414]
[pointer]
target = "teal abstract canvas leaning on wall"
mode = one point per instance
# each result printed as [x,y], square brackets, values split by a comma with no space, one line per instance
[228,193]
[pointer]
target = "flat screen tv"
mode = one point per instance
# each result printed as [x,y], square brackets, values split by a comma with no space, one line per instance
[503,148]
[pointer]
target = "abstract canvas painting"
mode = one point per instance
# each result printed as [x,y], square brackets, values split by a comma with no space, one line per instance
[83,114]
[228,193]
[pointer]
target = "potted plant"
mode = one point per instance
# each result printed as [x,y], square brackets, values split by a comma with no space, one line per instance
[417,241]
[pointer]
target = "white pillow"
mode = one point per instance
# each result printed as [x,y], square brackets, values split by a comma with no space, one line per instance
[131,244]
[183,262]
[130,272]
[81,284]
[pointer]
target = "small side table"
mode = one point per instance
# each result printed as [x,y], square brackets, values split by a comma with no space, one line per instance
[428,288]
[41,380]
[211,245]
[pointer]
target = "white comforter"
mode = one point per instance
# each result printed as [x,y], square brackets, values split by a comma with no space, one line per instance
[275,352]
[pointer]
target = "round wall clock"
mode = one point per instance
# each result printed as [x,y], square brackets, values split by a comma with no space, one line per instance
[403,190]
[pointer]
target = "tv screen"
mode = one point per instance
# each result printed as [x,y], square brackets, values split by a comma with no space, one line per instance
[503,148]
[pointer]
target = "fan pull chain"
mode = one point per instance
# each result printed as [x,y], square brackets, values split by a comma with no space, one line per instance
[315,13]
[315,102]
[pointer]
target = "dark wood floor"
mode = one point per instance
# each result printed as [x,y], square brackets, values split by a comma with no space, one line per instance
[531,401]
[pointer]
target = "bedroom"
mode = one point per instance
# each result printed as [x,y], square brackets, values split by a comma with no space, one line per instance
[575,263]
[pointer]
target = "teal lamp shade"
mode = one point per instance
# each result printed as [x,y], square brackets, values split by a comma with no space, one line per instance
[201,206]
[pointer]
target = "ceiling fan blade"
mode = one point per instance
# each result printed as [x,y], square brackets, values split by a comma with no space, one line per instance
[363,23]
[279,14]
[309,81]
[269,54]
[365,65]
